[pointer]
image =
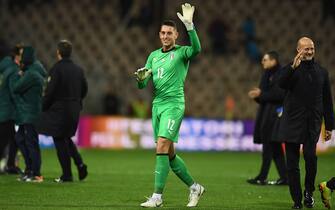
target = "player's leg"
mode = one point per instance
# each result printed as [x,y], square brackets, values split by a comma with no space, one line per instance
[171,121]
[178,166]
[161,172]
[156,199]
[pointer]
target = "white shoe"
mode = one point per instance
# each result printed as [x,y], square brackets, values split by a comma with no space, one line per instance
[195,194]
[152,203]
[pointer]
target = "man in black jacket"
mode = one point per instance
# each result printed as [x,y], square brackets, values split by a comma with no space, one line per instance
[308,100]
[62,104]
[270,98]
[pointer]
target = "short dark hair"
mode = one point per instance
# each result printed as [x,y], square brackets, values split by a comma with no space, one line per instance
[169,23]
[64,48]
[273,55]
[16,50]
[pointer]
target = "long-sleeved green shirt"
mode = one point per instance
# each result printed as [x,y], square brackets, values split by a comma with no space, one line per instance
[169,70]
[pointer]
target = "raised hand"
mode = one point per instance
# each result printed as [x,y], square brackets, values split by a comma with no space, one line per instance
[187,17]
[297,60]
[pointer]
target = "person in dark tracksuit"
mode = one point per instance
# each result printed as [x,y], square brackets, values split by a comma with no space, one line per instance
[270,98]
[307,102]
[7,110]
[62,104]
[28,89]
[8,71]
[12,167]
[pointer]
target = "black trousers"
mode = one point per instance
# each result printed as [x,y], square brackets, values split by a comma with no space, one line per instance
[7,135]
[273,151]
[293,156]
[12,152]
[331,183]
[27,141]
[65,150]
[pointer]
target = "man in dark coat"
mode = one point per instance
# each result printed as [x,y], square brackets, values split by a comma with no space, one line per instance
[62,104]
[270,98]
[27,91]
[9,68]
[308,100]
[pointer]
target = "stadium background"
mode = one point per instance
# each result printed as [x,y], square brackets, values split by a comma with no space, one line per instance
[111,44]
[113,38]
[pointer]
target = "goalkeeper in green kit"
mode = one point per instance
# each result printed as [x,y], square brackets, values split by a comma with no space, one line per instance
[167,68]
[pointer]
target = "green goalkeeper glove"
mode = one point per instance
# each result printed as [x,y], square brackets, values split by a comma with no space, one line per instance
[142,74]
[187,17]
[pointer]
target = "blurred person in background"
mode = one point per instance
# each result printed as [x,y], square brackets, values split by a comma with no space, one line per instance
[270,98]
[328,10]
[139,108]
[7,109]
[250,40]
[229,107]
[62,103]
[111,101]
[167,68]
[218,30]
[28,89]
[12,161]
[307,102]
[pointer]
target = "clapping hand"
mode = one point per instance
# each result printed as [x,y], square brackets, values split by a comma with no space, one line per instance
[142,73]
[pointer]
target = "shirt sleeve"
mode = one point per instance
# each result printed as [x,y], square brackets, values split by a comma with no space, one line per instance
[286,79]
[50,89]
[24,83]
[195,48]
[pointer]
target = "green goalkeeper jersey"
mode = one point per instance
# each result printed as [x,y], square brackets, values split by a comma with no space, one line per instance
[169,70]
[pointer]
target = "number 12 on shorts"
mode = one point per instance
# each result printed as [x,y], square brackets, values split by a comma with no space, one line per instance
[171,125]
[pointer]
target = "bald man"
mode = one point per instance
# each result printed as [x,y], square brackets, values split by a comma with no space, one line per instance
[307,102]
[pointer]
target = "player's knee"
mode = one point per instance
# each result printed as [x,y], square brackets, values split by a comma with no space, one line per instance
[163,145]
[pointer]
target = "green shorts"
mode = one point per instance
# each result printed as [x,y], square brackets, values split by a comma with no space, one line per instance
[166,120]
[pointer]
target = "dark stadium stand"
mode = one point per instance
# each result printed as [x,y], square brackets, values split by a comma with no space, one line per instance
[111,50]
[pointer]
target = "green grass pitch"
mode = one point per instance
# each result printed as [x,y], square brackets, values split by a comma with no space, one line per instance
[121,179]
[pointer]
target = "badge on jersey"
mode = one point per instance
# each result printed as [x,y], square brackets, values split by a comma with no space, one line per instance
[171,56]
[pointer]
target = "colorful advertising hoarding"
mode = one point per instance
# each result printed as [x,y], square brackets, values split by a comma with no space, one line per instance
[195,134]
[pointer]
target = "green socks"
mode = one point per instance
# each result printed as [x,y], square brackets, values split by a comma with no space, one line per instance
[179,168]
[161,172]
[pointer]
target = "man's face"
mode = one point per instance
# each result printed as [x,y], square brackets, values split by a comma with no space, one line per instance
[267,62]
[308,50]
[18,58]
[168,36]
